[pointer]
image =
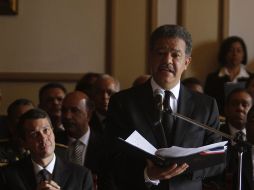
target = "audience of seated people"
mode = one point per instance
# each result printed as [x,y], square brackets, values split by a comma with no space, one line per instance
[103,89]
[232,58]
[51,96]
[193,83]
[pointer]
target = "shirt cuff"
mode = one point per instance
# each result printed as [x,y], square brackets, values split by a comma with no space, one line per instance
[147,180]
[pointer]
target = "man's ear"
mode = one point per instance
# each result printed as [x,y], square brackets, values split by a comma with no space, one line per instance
[187,62]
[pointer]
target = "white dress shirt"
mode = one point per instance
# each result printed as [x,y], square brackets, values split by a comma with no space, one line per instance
[49,167]
[175,91]
[242,74]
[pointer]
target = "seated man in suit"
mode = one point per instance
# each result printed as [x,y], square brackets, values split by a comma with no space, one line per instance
[85,146]
[104,87]
[237,105]
[43,169]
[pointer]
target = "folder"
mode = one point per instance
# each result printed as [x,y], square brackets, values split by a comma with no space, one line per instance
[196,158]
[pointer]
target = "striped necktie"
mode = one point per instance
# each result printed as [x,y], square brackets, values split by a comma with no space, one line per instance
[77,152]
[44,175]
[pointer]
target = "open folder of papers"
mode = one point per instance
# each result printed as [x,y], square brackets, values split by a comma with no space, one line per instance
[196,158]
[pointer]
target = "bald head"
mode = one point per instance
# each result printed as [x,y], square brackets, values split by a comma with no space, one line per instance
[76,113]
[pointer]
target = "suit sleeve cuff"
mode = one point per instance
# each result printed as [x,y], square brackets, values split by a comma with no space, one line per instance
[147,180]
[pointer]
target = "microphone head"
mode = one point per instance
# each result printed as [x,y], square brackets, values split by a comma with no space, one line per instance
[158,97]
[158,92]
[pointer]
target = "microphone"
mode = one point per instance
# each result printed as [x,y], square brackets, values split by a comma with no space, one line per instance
[158,97]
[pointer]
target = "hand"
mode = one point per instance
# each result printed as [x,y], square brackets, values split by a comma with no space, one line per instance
[158,173]
[48,185]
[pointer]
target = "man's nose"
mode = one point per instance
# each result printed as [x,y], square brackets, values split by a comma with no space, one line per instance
[56,101]
[168,58]
[41,136]
[66,114]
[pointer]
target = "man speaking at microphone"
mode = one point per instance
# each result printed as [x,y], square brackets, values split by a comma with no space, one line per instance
[136,109]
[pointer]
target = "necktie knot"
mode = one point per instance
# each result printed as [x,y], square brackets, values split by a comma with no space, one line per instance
[240,136]
[44,175]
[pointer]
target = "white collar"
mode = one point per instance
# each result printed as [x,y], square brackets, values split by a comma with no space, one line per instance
[49,167]
[175,90]
[242,74]
[84,139]
[233,130]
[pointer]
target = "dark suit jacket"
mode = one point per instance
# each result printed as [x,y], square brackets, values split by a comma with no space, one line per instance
[68,176]
[134,109]
[232,164]
[94,153]
[96,124]
[247,170]
[248,182]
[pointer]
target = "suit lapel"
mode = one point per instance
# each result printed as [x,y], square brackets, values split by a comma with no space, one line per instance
[91,151]
[60,173]
[146,101]
[96,124]
[179,126]
[247,167]
[26,173]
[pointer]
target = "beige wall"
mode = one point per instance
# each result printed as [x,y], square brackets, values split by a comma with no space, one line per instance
[201,18]
[239,25]
[47,33]
[167,12]
[59,36]
[129,43]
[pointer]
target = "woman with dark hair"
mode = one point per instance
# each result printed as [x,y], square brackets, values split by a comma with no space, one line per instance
[232,58]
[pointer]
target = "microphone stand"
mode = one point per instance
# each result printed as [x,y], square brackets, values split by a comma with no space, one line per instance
[241,145]
[160,112]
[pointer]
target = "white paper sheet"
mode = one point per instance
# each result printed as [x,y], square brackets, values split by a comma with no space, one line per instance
[139,141]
